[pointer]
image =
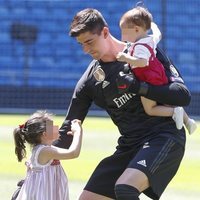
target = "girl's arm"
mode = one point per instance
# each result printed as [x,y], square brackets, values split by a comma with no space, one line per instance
[53,152]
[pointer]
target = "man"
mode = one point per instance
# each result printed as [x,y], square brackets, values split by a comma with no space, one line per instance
[149,149]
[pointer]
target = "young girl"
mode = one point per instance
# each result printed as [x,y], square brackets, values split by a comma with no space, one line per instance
[134,26]
[45,177]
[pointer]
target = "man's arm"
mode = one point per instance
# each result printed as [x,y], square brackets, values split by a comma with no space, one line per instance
[78,109]
[174,93]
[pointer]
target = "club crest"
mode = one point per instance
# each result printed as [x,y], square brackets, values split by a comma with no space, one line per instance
[99,74]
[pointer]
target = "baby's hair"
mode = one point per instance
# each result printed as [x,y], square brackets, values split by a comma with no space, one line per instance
[30,132]
[138,16]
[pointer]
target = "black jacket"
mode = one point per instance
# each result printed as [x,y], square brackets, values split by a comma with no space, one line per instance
[125,110]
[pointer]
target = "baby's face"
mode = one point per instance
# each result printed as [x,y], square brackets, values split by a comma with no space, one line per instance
[128,31]
[128,34]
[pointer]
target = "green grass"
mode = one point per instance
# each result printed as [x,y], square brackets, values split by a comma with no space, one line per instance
[100,138]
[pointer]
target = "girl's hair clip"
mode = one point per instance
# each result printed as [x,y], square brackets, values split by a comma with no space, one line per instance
[21,126]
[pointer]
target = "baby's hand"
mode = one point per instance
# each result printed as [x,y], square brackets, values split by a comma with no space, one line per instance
[121,57]
[75,127]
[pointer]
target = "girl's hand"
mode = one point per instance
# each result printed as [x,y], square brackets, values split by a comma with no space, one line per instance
[75,127]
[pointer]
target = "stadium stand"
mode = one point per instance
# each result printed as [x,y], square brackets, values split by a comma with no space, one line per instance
[43,73]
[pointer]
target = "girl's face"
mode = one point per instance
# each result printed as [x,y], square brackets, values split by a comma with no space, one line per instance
[51,131]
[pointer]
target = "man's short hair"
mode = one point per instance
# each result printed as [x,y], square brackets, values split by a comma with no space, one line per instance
[87,20]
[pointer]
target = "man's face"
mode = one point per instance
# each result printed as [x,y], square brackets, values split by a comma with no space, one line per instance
[92,44]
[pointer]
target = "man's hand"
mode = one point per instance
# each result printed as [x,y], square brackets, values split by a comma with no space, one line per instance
[127,83]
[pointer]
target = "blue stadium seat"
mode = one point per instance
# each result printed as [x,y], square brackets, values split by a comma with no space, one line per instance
[187,57]
[5,38]
[44,38]
[39,12]
[44,50]
[20,12]
[174,31]
[56,51]
[6,61]
[192,32]
[5,25]
[4,13]
[6,49]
